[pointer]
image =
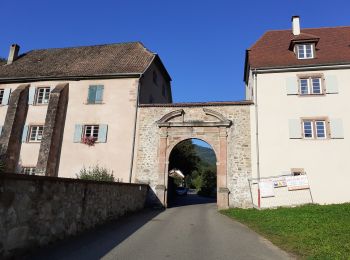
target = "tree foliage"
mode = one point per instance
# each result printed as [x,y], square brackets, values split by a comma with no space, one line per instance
[184,157]
[200,173]
[95,173]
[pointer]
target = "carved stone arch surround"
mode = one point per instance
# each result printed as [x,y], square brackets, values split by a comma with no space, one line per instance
[172,132]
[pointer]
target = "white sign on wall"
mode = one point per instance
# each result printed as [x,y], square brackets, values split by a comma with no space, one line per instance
[299,182]
[266,188]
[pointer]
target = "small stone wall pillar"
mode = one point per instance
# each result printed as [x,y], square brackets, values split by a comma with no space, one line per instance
[10,140]
[161,187]
[50,147]
[223,191]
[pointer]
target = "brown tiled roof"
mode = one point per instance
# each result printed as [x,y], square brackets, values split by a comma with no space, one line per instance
[122,58]
[272,49]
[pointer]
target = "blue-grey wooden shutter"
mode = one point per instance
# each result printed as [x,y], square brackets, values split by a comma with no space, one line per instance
[25,133]
[92,95]
[31,95]
[6,96]
[331,84]
[78,133]
[336,127]
[292,86]
[102,133]
[99,94]
[295,129]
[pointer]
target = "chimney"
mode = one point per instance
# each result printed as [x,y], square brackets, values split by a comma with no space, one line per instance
[14,49]
[296,24]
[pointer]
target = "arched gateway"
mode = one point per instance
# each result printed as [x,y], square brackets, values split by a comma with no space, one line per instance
[223,125]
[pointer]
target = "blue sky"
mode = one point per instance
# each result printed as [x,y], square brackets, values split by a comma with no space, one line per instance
[202,43]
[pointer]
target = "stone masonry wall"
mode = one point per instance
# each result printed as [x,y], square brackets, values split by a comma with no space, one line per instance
[36,210]
[238,145]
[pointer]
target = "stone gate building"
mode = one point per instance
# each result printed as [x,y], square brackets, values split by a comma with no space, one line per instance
[223,125]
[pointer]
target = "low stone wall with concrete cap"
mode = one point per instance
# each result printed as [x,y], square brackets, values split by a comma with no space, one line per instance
[37,210]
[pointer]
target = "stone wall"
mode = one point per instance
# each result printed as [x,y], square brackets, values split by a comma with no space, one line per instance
[36,210]
[238,164]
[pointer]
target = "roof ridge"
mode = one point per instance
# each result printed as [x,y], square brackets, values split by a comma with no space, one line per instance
[312,28]
[95,45]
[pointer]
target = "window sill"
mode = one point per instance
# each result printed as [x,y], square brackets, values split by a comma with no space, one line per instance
[312,95]
[98,103]
[316,139]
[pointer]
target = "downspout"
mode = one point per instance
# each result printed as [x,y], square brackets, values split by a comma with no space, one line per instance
[256,124]
[135,126]
[255,82]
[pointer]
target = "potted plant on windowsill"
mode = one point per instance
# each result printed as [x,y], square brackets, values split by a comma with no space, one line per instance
[88,140]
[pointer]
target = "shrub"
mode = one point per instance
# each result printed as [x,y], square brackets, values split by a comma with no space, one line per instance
[95,173]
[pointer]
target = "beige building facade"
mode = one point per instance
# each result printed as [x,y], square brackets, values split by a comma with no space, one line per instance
[103,107]
[300,119]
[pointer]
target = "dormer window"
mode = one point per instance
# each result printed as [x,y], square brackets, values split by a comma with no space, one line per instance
[305,51]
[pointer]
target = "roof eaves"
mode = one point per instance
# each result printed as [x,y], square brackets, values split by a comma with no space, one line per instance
[301,66]
[44,78]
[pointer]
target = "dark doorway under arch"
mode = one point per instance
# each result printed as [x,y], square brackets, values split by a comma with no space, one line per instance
[192,173]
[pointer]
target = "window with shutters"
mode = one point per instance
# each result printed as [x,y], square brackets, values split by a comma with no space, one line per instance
[95,94]
[90,133]
[305,51]
[28,170]
[35,133]
[42,95]
[1,95]
[310,86]
[315,129]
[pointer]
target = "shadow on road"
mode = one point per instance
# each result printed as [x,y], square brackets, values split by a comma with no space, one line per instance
[95,243]
[189,199]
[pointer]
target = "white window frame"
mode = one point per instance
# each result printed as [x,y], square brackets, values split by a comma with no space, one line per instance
[91,129]
[2,92]
[324,129]
[310,85]
[45,95]
[28,170]
[314,130]
[37,130]
[303,47]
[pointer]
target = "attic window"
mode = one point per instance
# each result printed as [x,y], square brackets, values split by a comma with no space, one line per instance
[305,51]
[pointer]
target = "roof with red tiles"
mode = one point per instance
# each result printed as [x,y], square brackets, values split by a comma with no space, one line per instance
[272,50]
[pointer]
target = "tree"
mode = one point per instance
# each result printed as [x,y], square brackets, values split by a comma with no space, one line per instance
[208,183]
[95,173]
[184,157]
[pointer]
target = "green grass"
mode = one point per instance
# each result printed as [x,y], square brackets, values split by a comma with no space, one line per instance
[310,232]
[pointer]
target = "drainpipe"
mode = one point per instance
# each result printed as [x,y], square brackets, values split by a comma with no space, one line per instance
[255,86]
[256,123]
[135,126]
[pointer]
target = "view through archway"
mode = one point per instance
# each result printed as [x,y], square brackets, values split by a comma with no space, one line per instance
[192,176]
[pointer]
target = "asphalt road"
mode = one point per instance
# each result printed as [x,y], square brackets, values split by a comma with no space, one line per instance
[185,231]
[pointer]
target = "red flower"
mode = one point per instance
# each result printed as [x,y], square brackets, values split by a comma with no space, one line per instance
[88,140]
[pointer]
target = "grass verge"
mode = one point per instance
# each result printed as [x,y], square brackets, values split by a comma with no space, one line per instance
[310,232]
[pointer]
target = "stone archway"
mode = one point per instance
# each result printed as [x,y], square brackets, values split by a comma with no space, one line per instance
[223,125]
[173,129]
